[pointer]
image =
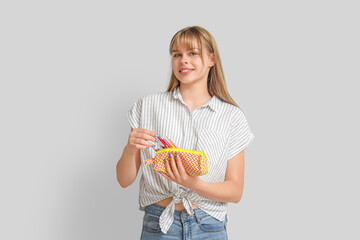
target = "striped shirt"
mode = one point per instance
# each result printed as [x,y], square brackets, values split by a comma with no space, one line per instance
[218,128]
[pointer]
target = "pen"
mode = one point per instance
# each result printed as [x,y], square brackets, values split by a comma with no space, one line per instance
[171,142]
[172,145]
[169,145]
[160,139]
[163,142]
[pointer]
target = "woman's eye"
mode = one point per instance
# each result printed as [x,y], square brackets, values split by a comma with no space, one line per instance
[177,54]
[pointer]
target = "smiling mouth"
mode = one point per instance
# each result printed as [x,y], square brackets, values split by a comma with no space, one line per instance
[186,70]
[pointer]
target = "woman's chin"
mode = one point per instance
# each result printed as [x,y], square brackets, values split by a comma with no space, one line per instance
[186,82]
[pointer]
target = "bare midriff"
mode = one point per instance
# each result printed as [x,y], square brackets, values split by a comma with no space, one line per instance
[178,206]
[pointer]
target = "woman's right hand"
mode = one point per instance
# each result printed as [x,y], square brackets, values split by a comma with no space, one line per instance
[139,139]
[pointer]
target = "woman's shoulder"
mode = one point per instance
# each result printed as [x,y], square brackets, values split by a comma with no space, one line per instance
[229,108]
[158,96]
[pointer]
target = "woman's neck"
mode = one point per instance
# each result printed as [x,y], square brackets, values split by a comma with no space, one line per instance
[194,95]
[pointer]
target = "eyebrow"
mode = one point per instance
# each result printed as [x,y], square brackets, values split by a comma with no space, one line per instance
[175,50]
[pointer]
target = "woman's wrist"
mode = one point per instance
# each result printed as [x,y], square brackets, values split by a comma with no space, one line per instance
[130,150]
[196,184]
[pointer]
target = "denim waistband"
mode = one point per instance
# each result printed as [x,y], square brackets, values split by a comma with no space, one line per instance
[178,215]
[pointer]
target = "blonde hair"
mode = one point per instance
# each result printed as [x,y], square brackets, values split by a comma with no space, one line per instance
[216,79]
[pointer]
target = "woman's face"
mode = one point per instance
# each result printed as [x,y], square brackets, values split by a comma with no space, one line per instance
[187,65]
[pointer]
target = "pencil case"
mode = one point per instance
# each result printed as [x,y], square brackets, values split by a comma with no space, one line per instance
[194,162]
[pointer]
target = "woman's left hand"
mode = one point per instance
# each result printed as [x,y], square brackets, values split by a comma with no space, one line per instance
[176,172]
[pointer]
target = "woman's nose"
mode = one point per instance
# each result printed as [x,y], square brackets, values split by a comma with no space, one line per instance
[184,59]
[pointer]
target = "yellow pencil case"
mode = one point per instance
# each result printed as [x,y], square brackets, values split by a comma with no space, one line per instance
[194,162]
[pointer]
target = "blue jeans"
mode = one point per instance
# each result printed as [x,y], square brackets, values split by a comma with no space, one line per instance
[199,225]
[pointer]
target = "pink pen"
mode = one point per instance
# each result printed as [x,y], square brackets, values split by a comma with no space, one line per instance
[171,142]
[163,141]
[167,144]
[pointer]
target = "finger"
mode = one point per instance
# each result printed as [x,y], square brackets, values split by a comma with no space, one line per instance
[144,144]
[169,170]
[138,146]
[155,149]
[144,134]
[180,166]
[165,176]
[136,138]
[174,167]
[147,131]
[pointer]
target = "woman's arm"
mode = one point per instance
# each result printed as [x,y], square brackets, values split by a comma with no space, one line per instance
[231,189]
[228,191]
[128,166]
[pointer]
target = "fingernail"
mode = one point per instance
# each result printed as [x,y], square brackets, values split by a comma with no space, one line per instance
[156,139]
[147,147]
[157,135]
[170,154]
[153,145]
[165,160]
[176,154]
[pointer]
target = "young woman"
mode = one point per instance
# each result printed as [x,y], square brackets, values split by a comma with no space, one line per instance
[197,113]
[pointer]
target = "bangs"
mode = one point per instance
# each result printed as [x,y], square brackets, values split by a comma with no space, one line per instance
[188,38]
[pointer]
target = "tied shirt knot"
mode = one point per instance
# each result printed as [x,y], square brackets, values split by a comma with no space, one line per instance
[167,216]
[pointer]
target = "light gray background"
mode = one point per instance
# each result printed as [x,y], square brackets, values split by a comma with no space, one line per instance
[70,70]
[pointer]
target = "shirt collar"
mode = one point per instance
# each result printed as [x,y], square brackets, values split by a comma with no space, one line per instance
[212,103]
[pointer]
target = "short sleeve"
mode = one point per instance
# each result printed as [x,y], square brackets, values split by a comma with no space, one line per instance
[134,114]
[240,134]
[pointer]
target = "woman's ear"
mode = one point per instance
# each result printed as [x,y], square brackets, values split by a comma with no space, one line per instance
[212,59]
